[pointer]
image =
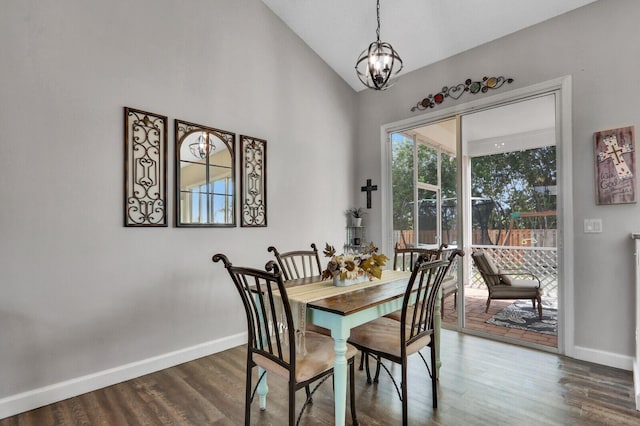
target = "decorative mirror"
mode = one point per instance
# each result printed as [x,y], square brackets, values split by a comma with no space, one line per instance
[205,176]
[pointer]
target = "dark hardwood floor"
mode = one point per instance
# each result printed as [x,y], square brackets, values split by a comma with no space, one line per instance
[481,383]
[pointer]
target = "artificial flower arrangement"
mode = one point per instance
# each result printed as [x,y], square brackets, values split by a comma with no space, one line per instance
[368,264]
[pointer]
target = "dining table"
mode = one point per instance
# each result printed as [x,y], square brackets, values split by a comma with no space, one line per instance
[339,309]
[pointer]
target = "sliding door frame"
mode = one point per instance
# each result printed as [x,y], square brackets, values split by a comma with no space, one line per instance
[562,88]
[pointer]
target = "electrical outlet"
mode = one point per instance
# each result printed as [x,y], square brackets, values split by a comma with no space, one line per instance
[592,226]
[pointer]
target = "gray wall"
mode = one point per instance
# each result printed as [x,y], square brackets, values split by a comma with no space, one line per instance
[598,46]
[80,293]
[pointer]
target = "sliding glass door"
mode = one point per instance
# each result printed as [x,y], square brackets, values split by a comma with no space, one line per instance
[484,180]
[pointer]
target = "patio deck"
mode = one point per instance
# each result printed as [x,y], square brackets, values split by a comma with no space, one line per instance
[475,303]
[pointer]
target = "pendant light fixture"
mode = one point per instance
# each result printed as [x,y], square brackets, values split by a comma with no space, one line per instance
[378,62]
[202,147]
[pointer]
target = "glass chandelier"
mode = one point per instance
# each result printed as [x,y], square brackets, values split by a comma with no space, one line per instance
[378,62]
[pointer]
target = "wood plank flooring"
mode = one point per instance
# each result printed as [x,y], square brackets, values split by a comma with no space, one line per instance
[481,383]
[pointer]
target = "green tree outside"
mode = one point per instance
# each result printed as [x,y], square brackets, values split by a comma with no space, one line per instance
[501,184]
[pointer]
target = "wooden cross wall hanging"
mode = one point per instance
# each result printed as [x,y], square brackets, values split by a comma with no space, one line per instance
[368,189]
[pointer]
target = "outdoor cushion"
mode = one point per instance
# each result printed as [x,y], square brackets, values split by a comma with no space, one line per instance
[488,267]
[515,292]
[524,283]
[506,279]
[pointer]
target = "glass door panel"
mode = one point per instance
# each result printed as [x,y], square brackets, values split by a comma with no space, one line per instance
[402,189]
[511,174]
[448,202]
[428,218]
[427,164]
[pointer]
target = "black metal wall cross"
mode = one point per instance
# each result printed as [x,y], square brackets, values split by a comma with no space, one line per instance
[368,190]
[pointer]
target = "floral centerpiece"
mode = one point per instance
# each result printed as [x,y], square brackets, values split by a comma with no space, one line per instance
[365,265]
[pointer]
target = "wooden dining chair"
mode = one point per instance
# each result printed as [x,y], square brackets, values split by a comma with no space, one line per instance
[271,338]
[450,283]
[385,338]
[299,263]
[404,258]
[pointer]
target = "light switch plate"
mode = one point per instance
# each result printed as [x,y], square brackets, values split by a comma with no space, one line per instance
[592,226]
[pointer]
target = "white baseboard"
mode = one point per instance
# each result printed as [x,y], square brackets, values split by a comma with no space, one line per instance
[602,357]
[636,382]
[35,398]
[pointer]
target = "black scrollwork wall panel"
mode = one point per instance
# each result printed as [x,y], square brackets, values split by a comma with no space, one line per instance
[145,168]
[253,181]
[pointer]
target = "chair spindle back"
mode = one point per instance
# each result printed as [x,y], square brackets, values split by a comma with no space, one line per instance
[269,319]
[405,258]
[298,264]
[426,279]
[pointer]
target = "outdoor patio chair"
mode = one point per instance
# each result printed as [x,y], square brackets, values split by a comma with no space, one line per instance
[502,283]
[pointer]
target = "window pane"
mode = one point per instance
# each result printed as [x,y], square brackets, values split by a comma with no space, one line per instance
[427,165]
[222,208]
[428,217]
[514,198]
[402,188]
[219,186]
[449,202]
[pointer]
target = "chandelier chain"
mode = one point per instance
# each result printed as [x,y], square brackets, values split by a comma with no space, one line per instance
[378,13]
[379,62]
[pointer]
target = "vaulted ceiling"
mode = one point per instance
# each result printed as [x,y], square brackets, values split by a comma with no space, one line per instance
[422,31]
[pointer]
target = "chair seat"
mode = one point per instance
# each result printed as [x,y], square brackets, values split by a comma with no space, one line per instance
[319,358]
[449,286]
[397,314]
[383,335]
[524,283]
[518,289]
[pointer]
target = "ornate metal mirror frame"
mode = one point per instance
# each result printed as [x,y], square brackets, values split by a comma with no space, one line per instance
[253,182]
[205,176]
[145,168]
